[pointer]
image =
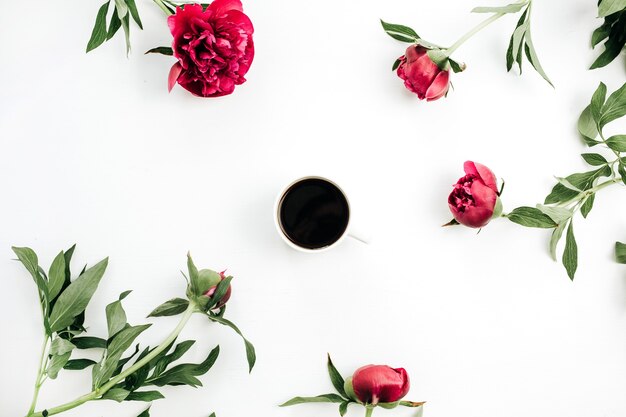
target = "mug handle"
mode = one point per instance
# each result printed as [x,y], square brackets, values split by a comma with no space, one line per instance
[359,235]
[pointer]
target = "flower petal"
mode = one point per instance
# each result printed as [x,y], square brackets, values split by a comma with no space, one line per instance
[439,86]
[485,174]
[173,76]
[220,7]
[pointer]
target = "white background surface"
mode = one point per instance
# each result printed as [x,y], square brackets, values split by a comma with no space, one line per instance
[94,151]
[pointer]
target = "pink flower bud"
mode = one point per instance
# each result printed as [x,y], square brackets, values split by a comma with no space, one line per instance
[375,384]
[209,293]
[421,75]
[475,196]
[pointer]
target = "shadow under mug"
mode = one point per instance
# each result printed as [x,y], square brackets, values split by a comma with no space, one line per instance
[312,214]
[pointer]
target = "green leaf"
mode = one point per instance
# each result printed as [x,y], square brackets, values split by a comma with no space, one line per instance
[324,398]
[56,364]
[163,50]
[145,413]
[531,54]
[558,214]
[343,408]
[172,307]
[510,8]
[179,351]
[99,32]
[250,351]
[588,127]
[193,277]
[56,276]
[607,7]
[615,106]
[513,53]
[28,258]
[601,33]
[620,252]
[116,317]
[335,377]
[220,292]
[88,342]
[78,364]
[60,346]
[597,101]
[456,66]
[555,238]
[116,348]
[396,64]
[570,255]
[531,217]
[114,25]
[75,298]
[594,159]
[146,396]
[121,8]
[185,374]
[587,205]
[132,7]
[617,143]
[400,32]
[126,27]
[622,172]
[116,394]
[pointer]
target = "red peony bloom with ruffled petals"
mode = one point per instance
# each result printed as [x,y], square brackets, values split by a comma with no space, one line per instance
[214,47]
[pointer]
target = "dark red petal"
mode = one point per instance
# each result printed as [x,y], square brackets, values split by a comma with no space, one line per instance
[220,7]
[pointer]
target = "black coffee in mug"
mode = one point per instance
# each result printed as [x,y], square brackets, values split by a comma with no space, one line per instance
[313,213]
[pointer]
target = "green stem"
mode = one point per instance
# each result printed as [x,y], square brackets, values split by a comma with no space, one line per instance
[590,191]
[99,392]
[163,7]
[475,30]
[368,411]
[40,374]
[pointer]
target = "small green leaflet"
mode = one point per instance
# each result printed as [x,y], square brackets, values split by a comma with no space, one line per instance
[570,254]
[193,277]
[89,342]
[343,408]
[587,205]
[132,7]
[99,32]
[116,394]
[145,396]
[172,307]
[554,239]
[615,106]
[250,351]
[61,346]
[617,143]
[400,32]
[122,341]
[335,377]
[587,127]
[75,298]
[56,364]
[78,364]
[324,398]
[116,317]
[145,413]
[163,50]
[186,373]
[597,101]
[614,31]
[608,7]
[594,159]
[620,252]
[56,276]
[531,217]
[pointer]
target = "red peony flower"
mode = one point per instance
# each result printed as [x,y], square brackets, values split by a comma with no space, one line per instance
[373,384]
[421,75]
[475,196]
[214,47]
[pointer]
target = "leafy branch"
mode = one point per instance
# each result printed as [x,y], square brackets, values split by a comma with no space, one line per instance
[577,192]
[612,32]
[345,395]
[115,376]
[520,44]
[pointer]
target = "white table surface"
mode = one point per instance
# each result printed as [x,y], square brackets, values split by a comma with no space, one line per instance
[94,151]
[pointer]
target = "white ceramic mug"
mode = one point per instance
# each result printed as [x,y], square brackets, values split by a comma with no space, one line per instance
[348,231]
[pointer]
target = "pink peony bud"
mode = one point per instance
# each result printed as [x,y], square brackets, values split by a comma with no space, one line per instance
[475,196]
[209,293]
[421,75]
[373,384]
